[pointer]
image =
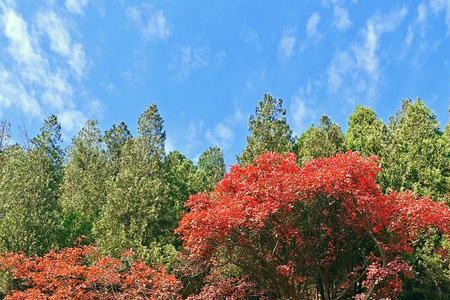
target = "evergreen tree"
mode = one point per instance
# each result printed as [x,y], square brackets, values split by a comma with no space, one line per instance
[269,130]
[135,214]
[84,186]
[210,169]
[324,140]
[414,158]
[365,132]
[114,139]
[29,187]
[180,172]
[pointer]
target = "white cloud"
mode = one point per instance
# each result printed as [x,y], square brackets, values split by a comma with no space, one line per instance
[221,135]
[189,59]
[151,23]
[422,13]
[76,6]
[301,112]
[72,120]
[37,82]
[286,45]
[357,70]
[60,40]
[170,145]
[311,25]
[442,6]
[341,18]
[417,27]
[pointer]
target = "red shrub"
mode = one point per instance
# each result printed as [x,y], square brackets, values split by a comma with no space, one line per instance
[81,273]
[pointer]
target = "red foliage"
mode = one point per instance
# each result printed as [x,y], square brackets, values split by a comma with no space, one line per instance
[81,273]
[325,225]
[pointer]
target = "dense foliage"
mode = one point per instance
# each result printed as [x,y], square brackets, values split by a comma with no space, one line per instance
[358,214]
[324,228]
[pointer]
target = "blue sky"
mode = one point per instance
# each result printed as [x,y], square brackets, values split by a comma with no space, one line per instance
[206,64]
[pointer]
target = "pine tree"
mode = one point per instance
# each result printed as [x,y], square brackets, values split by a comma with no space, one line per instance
[269,130]
[179,175]
[413,158]
[324,140]
[135,214]
[210,169]
[29,187]
[365,132]
[84,185]
[114,139]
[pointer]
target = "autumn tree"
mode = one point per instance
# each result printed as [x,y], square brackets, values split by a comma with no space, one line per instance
[324,140]
[269,130]
[137,213]
[365,132]
[294,233]
[84,185]
[209,170]
[82,273]
[29,188]
[413,158]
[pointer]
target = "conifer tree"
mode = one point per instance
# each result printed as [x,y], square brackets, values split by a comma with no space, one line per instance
[210,169]
[324,140]
[413,158]
[269,130]
[29,187]
[136,211]
[365,132]
[84,185]
[114,139]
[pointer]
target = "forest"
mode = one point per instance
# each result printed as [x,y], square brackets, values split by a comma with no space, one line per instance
[360,214]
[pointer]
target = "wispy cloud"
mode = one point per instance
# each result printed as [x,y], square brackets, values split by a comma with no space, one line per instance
[189,59]
[286,45]
[301,111]
[152,23]
[442,6]
[60,40]
[357,70]
[341,19]
[32,81]
[311,25]
[76,6]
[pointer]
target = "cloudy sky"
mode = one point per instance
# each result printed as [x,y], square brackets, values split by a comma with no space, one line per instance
[207,63]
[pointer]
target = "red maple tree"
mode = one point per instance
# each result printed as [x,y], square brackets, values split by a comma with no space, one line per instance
[294,232]
[82,273]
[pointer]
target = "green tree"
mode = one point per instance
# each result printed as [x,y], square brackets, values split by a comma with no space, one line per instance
[84,185]
[210,169]
[365,132]
[269,130]
[324,140]
[413,158]
[136,213]
[29,187]
[114,139]
[180,172]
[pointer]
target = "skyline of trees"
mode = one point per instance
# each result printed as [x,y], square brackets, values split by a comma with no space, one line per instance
[120,190]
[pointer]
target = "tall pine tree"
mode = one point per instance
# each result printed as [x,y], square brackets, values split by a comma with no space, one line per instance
[413,158]
[137,210]
[29,188]
[269,130]
[84,185]
[210,169]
